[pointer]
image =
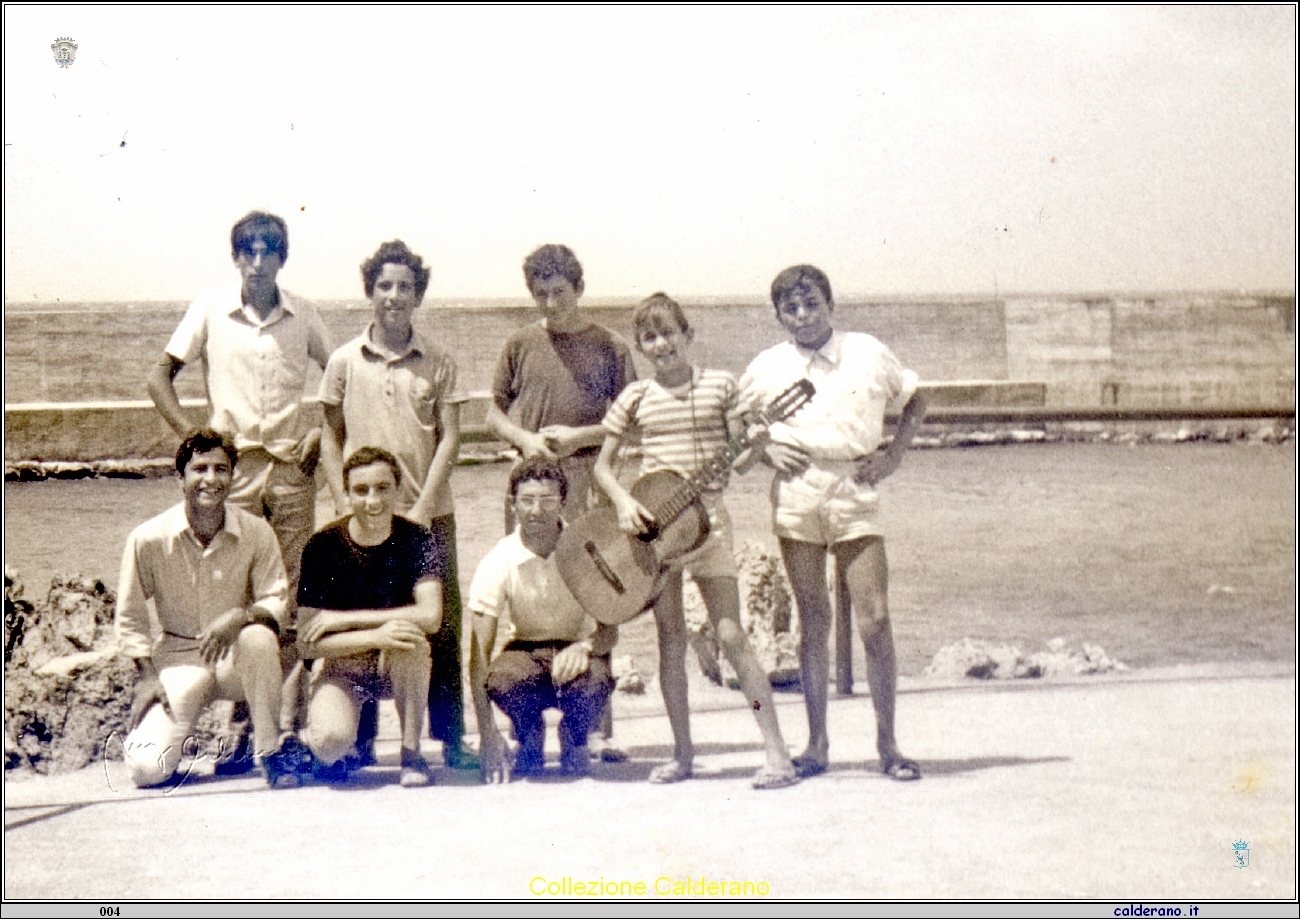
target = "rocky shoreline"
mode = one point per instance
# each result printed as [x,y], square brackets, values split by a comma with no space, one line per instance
[930,437]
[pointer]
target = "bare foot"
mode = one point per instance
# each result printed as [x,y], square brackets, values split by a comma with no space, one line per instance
[669,773]
[770,777]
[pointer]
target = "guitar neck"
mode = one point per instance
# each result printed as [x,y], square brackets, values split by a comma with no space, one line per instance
[717,467]
[719,464]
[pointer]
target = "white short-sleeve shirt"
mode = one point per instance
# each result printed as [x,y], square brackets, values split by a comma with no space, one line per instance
[514,583]
[255,368]
[857,380]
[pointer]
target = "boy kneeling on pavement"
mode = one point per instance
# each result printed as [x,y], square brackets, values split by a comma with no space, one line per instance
[370,593]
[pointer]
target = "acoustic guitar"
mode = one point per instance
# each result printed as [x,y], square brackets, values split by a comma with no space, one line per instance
[615,575]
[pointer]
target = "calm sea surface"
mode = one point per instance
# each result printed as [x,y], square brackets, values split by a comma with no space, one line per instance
[89,352]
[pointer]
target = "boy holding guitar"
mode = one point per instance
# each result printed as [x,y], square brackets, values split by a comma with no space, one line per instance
[685,416]
[828,460]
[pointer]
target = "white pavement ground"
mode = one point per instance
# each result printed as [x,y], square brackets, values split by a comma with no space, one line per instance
[1126,786]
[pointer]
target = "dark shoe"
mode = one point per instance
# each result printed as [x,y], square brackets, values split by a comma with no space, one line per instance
[338,772]
[240,762]
[365,756]
[415,770]
[575,761]
[458,756]
[286,767]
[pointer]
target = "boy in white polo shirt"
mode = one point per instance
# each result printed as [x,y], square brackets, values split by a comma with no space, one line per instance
[391,388]
[829,457]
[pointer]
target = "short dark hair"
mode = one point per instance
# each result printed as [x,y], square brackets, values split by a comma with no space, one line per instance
[204,440]
[394,252]
[658,306]
[368,456]
[538,469]
[800,276]
[550,260]
[259,224]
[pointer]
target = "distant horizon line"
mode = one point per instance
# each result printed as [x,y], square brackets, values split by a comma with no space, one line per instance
[712,300]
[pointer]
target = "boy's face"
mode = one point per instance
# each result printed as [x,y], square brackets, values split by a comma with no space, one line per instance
[258,266]
[394,298]
[557,299]
[664,345]
[537,507]
[206,480]
[806,315]
[372,492]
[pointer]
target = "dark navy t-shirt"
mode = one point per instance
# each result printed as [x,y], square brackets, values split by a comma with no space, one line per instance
[339,574]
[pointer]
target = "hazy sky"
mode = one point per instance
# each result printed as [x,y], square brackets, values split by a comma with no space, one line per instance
[906,151]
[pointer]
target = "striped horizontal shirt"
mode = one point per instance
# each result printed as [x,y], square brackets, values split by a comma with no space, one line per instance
[680,430]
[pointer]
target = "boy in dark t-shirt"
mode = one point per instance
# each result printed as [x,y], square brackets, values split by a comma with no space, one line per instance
[371,591]
[556,378]
[554,382]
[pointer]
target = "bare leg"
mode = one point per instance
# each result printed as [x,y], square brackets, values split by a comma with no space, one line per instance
[408,671]
[670,621]
[843,634]
[722,599]
[805,565]
[867,573]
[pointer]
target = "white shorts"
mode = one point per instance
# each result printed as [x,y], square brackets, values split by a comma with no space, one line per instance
[823,505]
[717,557]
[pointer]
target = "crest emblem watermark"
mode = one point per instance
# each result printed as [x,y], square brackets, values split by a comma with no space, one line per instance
[1241,854]
[65,52]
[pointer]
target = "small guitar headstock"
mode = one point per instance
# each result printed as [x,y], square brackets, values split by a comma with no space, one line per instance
[790,401]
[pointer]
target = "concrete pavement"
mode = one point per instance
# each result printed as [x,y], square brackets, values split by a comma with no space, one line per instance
[1118,786]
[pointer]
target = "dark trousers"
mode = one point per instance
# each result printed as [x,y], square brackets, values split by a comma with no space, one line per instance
[446,699]
[519,682]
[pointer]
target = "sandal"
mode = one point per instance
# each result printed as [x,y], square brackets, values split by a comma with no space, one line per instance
[901,769]
[669,773]
[769,778]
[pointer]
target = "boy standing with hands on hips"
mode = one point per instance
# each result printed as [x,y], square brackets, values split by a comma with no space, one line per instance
[828,458]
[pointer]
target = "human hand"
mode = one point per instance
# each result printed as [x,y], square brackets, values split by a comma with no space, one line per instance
[495,758]
[399,635]
[309,452]
[633,518]
[787,459]
[148,692]
[876,466]
[570,663]
[561,438]
[758,436]
[534,446]
[221,633]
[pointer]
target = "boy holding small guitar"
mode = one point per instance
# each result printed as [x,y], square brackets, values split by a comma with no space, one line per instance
[686,418]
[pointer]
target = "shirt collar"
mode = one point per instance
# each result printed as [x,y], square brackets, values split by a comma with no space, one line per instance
[283,308]
[230,525]
[828,354]
[415,346]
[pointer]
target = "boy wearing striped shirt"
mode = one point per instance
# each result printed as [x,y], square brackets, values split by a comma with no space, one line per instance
[683,417]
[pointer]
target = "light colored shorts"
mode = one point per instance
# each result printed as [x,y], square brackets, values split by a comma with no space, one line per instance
[823,505]
[717,557]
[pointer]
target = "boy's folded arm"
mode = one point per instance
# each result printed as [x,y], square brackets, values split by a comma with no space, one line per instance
[526,442]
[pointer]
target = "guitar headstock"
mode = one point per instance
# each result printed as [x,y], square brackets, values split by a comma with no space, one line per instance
[790,401]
